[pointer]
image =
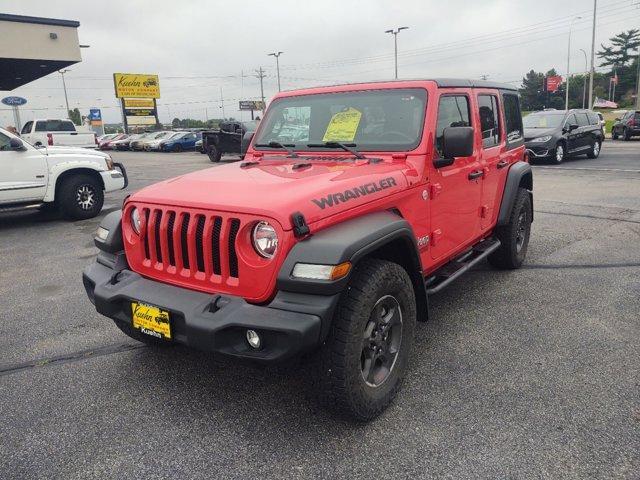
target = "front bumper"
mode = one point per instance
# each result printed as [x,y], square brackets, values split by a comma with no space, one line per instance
[116,179]
[290,325]
[539,149]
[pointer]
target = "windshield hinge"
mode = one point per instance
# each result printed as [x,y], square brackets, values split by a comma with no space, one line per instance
[300,227]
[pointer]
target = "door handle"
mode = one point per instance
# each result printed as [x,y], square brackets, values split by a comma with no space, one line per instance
[476,174]
[502,164]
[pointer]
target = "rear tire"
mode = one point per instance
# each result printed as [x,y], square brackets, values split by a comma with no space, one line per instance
[595,149]
[80,197]
[364,360]
[514,236]
[214,154]
[177,148]
[141,337]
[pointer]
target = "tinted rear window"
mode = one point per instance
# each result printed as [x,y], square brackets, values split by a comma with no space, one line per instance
[55,126]
[593,118]
[512,117]
[582,119]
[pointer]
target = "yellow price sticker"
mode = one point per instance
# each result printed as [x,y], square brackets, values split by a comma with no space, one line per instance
[343,126]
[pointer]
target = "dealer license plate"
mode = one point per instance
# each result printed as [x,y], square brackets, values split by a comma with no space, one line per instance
[151,320]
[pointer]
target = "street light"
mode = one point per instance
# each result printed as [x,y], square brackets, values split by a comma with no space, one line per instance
[566,99]
[277,55]
[64,86]
[395,44]
[584,83]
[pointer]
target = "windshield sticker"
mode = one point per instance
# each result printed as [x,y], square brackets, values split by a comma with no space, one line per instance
[343,126]
[334,199]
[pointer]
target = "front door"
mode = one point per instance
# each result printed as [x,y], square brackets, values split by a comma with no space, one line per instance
[455,190]
[23,173]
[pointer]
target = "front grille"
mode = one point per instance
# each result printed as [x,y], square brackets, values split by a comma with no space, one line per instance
[177,242]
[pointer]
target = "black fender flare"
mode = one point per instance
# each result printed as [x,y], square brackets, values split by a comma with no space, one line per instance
[520,175]
[112,222]
[351,241]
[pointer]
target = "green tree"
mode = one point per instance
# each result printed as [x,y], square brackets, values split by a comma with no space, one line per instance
[75,116]
[622,48]
[532,91]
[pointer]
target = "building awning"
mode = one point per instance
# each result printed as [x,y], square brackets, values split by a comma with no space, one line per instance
[34,47]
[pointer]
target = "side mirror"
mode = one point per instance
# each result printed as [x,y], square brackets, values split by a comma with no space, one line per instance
[16,144]
[456,142]
[572,127]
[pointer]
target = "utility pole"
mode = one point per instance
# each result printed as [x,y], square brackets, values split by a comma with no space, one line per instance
[222,103]
[638,85]
[260,76]
[566,93]
[395,44]
[277,55]
[615,82]
[584,82]
[593,53]
[64,86]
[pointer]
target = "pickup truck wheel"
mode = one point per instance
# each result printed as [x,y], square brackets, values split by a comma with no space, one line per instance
[365,357]
[214,154]
[80,197]
[141,337]
[514,237]
[595,149]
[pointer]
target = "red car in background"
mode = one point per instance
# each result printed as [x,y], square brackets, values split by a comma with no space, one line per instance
[106,144]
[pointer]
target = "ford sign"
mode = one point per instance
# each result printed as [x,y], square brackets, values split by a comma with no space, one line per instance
[14,101]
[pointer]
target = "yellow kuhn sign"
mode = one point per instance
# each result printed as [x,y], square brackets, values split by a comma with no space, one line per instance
[138,103]
[136,85]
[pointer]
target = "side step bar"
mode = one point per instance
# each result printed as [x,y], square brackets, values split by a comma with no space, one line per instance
[19,206]
[452,270]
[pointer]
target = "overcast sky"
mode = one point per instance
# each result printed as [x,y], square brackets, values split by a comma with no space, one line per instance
[201,47]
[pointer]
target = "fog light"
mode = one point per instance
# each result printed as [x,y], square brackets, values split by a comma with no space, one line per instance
[253,339]
[102,233]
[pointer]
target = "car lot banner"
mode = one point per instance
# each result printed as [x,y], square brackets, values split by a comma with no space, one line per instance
[136,85]
[141,120]
[138,103]
[552,83]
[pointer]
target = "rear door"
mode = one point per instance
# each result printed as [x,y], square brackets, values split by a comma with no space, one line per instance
[573,136]
[455,190]
[584,132]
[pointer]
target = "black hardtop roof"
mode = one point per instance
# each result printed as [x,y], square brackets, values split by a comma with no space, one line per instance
[440,82]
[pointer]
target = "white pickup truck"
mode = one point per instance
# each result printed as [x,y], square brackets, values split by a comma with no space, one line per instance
[72,180]
[60,132]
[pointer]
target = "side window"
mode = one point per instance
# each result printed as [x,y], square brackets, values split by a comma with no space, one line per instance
[637,117]
[453,111]
[489,120]
[583,121]
[593,118]
[571,120]
[512,117]
[27,128]
[4,142]
[41,126]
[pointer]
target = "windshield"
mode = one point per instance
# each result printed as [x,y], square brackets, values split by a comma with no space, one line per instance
[543,120]
[378,120]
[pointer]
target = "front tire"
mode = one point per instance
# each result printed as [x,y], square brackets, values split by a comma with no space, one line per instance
[365,357]
[514,236]
[614,134]
[214,154]
[177,148]
[626,135]
[80,197]
[559,153]
[595,149]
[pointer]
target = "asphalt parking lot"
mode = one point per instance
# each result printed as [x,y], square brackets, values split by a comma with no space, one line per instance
[533,373]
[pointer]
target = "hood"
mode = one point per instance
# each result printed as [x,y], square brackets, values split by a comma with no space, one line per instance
[530,133]
[74,151]
[277,187]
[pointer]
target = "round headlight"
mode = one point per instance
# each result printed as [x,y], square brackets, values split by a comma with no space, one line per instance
[265,239]
[135,220]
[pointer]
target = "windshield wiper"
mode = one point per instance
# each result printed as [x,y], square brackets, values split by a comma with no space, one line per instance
[344,146]
[285,146]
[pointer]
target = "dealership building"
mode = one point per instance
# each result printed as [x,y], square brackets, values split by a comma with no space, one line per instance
[39,46]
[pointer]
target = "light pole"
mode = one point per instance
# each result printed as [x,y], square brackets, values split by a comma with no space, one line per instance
[395,44]
[593,47]
[584,83]
[64,86]
[277,55]
[566,93]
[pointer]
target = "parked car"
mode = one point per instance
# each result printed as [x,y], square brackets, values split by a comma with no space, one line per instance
[627,126]
[105,137]
[182,141]
[125,142]
[142,142]
[61,132]
[603,123]
[558,134]
[71,179]
[331,246]
[107,143]
[232,137]
[156,143]
[199,146]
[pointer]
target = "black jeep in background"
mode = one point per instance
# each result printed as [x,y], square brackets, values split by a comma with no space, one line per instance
[232,137]
[628,126]
[557,134]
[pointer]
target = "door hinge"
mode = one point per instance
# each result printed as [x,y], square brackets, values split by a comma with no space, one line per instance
[434,190]
[484,211]
[435,235]
[300,227]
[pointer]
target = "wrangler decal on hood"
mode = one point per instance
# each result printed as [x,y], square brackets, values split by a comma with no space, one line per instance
[353,193]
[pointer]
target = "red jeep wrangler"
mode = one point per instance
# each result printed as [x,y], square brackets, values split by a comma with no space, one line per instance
[353,205]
